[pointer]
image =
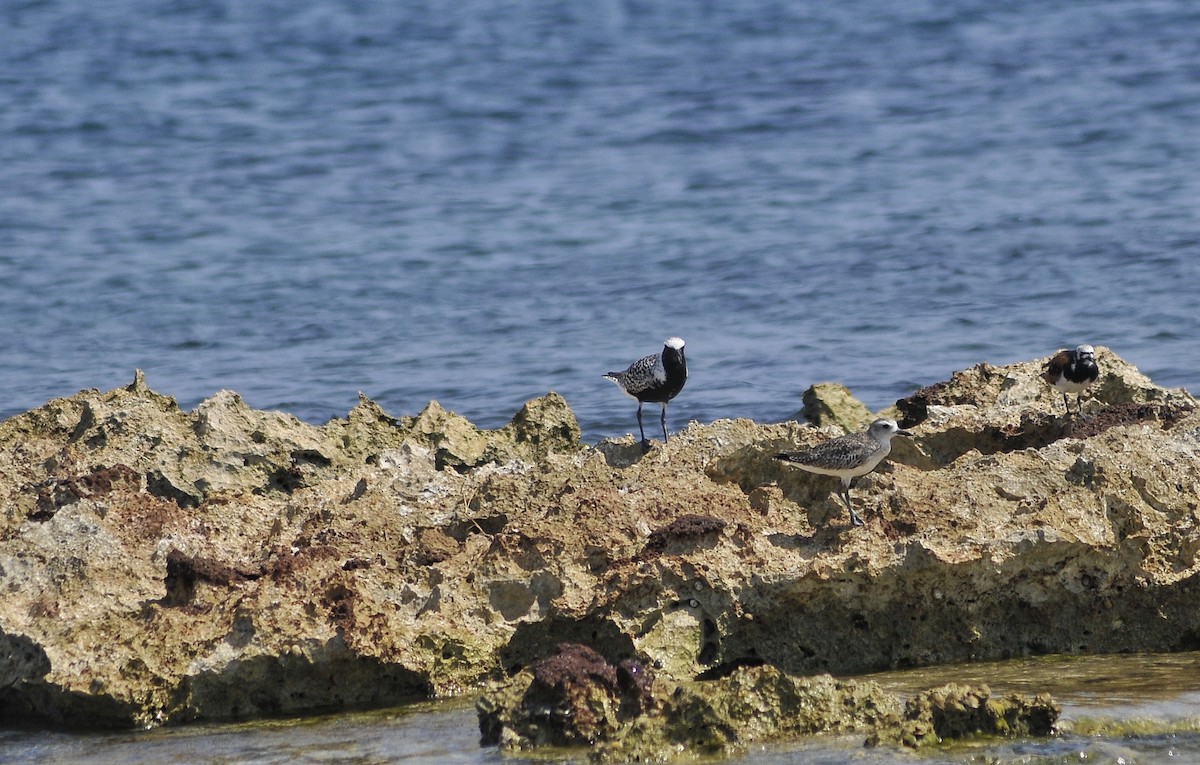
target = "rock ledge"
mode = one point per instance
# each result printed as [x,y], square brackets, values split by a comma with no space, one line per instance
[162,566]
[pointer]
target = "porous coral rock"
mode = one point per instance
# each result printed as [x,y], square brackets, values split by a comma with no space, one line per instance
[160,565]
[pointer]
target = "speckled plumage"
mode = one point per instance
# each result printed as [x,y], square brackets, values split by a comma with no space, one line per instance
[848,456]
[656,379]
[642,379]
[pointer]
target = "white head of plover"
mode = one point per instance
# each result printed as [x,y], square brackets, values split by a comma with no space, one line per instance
[656,379]
[848,456]
[1072,372]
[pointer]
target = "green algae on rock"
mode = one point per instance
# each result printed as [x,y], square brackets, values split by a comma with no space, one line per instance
[576,698]
[958,711]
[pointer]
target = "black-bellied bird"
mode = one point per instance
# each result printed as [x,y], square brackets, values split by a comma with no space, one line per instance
[655,379]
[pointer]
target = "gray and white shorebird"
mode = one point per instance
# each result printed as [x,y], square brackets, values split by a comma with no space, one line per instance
[1072,372]
[848,456]
[655,379]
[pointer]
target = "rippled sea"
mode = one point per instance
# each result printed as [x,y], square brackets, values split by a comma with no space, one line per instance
[478,202]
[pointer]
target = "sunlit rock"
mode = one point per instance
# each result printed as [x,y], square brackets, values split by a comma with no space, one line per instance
[161,565]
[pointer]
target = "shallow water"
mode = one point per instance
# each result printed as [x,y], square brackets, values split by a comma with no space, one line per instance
[1142,708]
[423,733]
[478,204]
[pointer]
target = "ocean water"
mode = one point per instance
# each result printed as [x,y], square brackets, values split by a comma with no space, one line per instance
[479,202]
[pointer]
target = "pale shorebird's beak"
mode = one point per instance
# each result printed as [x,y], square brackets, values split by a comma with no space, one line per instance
[907,433]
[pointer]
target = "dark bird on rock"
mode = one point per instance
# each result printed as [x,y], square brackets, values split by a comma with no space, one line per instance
[656,379]
[848,456]
[1072,372]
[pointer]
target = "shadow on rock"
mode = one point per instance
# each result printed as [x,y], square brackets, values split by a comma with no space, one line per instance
[536,639]
[959,711]
[687,533]
[622,453]
[271,686]
[575,697]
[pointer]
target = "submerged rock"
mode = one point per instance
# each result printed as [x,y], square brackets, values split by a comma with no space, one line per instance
[573,697]
[161,566]
[584,705]
[959,711]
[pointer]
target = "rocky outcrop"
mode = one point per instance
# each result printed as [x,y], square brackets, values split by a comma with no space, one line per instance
[161,565]
[959,711]
[575,697]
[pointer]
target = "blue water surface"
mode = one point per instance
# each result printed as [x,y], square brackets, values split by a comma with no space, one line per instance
[478,202]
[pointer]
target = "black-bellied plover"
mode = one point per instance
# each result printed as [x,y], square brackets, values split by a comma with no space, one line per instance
[1072,372]
[656,379]
[848,456]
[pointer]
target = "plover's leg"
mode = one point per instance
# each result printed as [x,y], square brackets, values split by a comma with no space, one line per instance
[845,492]
[664,422]
[641,430]
[1066,403]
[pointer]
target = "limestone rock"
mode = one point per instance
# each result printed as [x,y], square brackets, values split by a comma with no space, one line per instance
[576,698]
[572,697]
[756,704]
[959,711]
[992,409]
[542,427]
[162,566]
[828,404]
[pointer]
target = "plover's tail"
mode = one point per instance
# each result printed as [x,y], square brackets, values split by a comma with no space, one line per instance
[614,376]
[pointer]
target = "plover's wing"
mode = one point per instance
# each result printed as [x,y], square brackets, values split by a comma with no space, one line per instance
[625,373]
[841,453]
[642,374]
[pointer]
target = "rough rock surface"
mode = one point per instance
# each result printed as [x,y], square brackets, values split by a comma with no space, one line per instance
[958,711]
[625,716]
[159,565]
[833,404]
